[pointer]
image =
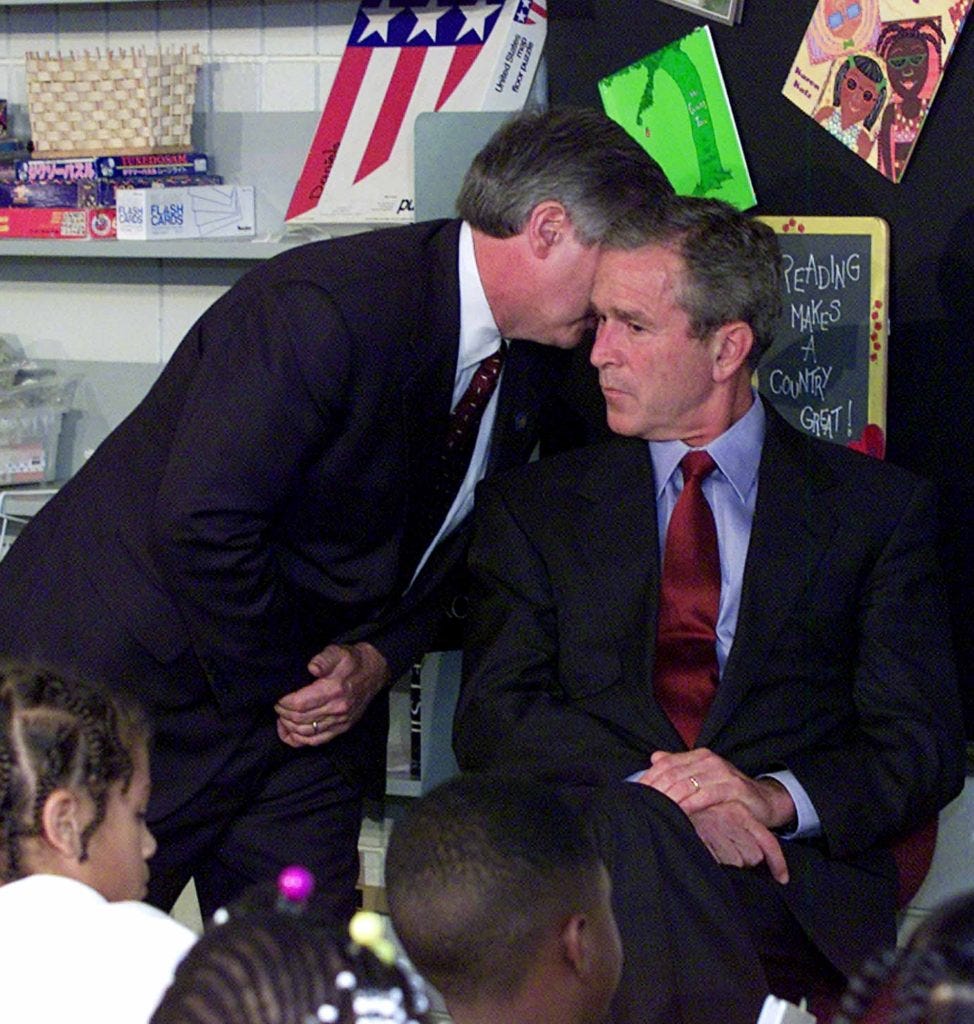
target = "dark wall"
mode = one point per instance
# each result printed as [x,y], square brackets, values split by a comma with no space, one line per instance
[797,168]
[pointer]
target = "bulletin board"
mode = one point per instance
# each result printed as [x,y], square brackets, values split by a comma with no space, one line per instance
[826,370]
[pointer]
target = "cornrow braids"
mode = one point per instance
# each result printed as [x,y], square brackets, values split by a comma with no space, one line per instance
[58,733]
[951,1003]
[938,959]
[919,973]
[281,967]
[864,987]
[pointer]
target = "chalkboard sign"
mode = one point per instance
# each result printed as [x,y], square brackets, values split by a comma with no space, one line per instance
[826,371]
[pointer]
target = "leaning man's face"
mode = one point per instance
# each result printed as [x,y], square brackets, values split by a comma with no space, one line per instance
[562,312]
[655,375]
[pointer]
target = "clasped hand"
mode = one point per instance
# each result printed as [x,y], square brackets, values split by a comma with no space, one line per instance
[346,678]
[732,813]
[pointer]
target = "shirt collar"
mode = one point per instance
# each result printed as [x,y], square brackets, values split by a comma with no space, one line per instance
[479,334]
[737,452]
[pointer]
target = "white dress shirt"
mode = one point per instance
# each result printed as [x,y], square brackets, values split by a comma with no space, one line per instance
[479,338]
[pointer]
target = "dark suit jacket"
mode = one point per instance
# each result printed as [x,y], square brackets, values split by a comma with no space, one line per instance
[841,668]
[250,510]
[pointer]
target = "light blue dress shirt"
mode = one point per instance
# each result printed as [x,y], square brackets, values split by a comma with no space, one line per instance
[731,491]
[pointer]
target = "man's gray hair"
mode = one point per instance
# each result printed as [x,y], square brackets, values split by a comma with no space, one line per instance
[577,156]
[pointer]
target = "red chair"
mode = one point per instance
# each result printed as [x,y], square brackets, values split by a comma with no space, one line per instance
[913,853]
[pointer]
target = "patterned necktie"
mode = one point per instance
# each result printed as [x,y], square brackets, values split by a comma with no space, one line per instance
[685,673]
[453,459]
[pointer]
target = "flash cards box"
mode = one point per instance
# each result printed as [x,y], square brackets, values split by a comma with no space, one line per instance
[199,211]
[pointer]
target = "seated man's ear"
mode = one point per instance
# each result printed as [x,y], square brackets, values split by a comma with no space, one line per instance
[63,821]
[732,345]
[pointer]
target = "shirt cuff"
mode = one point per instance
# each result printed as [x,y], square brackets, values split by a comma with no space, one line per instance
[808,825]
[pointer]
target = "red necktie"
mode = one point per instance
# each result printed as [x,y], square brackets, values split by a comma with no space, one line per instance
[453,459]
[685,672]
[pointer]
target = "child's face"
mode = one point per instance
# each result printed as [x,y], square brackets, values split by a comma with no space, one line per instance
[122,844]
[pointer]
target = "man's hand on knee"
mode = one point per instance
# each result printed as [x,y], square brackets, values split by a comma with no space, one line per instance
[735,837]
[698,779]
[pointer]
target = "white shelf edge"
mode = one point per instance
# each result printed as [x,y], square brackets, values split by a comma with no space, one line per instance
[187,249]
[398,785]
[91,248]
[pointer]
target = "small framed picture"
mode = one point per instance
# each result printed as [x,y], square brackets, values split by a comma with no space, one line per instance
[727,11]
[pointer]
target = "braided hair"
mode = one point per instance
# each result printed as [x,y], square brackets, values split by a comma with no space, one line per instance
[934,972]
[58,733]
[273,960]
[928,30]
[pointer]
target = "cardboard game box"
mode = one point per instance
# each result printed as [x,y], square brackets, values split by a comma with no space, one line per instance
[57,222]
[404,57]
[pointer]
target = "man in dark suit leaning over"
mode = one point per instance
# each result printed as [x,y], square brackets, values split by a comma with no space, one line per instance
[262,533]
[751,736]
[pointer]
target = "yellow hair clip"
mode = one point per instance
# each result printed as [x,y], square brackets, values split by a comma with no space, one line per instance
[367,930]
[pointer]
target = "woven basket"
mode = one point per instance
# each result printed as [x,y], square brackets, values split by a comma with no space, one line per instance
[122,102]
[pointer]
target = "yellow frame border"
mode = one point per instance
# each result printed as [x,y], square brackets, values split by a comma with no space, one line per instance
[878,230]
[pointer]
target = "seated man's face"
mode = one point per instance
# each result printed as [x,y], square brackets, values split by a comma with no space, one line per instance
[655,375]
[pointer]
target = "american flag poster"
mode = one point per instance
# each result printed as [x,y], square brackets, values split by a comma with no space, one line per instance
[403,58]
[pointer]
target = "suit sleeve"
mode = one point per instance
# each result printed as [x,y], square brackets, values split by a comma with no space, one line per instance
[904,759]
[512,712]
[267,393]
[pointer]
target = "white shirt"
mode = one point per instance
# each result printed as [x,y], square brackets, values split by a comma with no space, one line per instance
[479,338]
[68,956]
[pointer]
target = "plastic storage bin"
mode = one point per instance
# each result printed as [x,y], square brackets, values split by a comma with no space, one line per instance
[28,444]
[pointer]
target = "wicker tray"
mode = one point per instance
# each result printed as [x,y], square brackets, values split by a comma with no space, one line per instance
[119,102]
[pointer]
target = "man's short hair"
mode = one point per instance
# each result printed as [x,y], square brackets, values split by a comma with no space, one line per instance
[732,260]
[577,156]
[478,872]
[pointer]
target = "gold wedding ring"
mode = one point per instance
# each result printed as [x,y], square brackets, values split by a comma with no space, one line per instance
[314,727]
[694,783]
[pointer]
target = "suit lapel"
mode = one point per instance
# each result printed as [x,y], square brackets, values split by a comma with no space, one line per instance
[619,535]
[432,353]
[518,405]
[789,536]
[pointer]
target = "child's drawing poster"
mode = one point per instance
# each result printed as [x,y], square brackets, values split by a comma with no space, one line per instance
[867,71]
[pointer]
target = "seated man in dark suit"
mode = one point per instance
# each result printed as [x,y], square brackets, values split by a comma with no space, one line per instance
[748,675]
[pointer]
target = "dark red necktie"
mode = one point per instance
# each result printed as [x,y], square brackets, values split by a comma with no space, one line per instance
[453,459]
[685,673]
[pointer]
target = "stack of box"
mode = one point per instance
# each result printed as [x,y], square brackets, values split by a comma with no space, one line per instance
[11,149]
[75,197]
[137,109]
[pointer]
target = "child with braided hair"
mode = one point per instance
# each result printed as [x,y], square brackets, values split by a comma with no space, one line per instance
[279,956]
[75,942]
[929,981]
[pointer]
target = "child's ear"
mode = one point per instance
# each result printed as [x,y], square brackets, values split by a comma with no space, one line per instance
[62,823]
[576,945]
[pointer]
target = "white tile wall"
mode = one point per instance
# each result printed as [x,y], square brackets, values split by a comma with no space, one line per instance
[267,55]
